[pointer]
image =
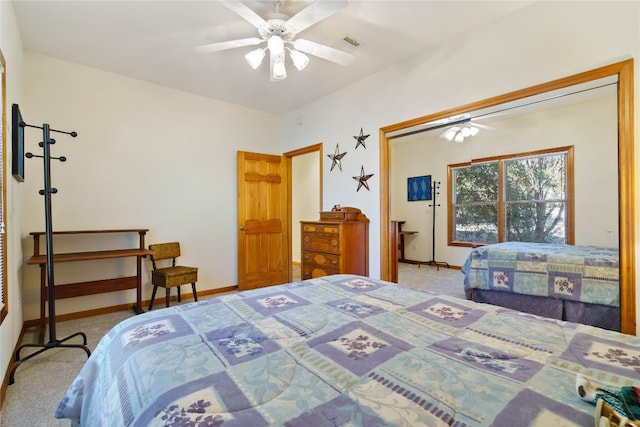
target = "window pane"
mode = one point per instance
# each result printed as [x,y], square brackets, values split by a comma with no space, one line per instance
[476,223]
[536,222]
[476,183]
[536,178]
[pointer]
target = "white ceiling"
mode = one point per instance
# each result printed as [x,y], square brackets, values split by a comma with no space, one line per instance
[154,41]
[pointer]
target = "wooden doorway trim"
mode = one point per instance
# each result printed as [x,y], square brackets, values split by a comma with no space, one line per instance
[626,173]
[288,158]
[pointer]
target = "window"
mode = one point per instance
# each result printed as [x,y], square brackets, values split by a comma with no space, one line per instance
[3,195]
[525,197]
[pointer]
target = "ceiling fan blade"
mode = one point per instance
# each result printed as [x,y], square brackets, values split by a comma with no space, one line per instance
[324,52]
[481,126]
[442,135]
[315,12]
[245,13]
[231,44]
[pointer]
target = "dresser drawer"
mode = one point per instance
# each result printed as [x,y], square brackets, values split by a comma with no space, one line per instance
[311,271]
[321,242]
[321,228]
[321,259]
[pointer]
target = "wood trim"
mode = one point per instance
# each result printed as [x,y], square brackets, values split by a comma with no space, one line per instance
[5,380]
[571,198]
[627,192]
[501,198]
[94,287]
[626,171]
[501,204]
[84,256]
[386,258]
[289,155]
[306,150]
[534,153]
[119,230]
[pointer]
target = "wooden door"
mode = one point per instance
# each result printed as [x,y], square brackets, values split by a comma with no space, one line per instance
[263,229]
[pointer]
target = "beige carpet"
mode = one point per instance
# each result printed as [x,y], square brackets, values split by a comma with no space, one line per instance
[441,280]
[41,382]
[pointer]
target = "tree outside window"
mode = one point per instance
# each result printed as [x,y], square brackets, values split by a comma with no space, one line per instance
[522,198]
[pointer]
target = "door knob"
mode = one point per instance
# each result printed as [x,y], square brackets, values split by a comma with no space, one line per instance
[242,228]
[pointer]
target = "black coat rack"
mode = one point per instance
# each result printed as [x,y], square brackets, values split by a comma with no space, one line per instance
[53,342]
[435,185]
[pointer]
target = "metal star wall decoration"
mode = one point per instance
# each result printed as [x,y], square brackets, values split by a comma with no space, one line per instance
[362,179]
[336,158]
[360,138]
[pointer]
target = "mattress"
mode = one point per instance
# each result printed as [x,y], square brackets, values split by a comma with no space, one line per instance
[587,274]
[345,350]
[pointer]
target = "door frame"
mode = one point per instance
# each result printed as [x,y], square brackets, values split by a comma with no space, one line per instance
[626,173]
[288,156]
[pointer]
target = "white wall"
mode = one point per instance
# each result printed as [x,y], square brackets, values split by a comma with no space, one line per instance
[12,51]
[136,139]
[145,157]
[591,127]
[545,41]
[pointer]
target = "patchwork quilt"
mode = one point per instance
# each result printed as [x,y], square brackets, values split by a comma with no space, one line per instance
[587,274]
[345,350]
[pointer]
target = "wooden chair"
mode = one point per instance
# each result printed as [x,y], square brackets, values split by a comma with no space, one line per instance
[173,276]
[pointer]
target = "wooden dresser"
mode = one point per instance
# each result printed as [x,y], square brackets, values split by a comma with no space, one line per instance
[337,243]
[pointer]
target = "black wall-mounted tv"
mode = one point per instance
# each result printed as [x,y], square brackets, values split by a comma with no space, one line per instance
[17,140]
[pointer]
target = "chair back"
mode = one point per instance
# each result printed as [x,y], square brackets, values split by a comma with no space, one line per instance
[164,251]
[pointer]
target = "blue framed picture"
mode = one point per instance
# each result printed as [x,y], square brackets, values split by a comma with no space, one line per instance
[419,188]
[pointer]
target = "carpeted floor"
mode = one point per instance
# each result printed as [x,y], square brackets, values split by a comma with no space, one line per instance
[40,382]
[441,280]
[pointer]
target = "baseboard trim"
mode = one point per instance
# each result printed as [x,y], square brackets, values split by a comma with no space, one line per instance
[5,380]
[409,261]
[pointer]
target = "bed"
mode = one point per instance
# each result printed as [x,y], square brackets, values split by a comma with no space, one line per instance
[575,283]
[345,350]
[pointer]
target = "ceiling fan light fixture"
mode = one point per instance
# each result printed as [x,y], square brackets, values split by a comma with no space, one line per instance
[459,133]
[300,60]
[275,45]
[255,57]
[451,133]
[279,71]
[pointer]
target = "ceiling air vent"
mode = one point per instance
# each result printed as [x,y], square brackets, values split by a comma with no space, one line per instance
[353,42]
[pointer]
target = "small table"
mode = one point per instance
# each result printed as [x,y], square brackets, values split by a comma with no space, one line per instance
[93,287]
[397,235]
[401,234]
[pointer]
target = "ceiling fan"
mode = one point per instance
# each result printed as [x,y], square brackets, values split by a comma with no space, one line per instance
[460,131]
[463,126]
[278,31]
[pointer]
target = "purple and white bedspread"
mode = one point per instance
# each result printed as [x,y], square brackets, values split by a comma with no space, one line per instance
[345,351]
[588,274]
